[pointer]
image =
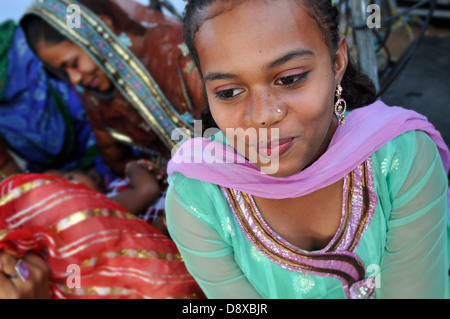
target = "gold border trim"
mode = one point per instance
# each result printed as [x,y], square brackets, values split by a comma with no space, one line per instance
[133,63]
[3,233]
[347,215]
[282,246]
[365,208]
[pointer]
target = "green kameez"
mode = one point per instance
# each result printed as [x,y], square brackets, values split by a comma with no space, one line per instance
[405,246]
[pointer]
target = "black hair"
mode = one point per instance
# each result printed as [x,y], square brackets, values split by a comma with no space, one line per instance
[36,29]
[359,90]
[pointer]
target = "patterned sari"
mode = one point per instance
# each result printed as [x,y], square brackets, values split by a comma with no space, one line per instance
[42,119]
[94,248]
[157,88]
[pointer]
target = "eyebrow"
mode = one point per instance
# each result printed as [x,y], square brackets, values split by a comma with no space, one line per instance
[289,56]
[211,76]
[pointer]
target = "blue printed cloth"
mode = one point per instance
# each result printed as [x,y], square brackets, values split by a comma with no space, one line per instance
[41,118]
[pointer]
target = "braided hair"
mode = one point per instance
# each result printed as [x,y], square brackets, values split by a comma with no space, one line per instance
[359,90]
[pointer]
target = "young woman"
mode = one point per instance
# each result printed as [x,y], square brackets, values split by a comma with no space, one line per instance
[135,77]
[42,120]
[356,205]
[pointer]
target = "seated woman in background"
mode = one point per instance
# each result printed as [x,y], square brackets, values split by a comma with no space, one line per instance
[132,71]
[42,120]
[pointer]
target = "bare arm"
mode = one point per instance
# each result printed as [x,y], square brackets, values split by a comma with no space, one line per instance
[143,191]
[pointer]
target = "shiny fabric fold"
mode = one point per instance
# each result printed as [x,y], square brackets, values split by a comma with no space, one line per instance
[73,227]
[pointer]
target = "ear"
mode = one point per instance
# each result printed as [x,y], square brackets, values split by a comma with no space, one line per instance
[107,20]
[341,60]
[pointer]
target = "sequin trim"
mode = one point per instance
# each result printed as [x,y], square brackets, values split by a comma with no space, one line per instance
[338,259]
[347,208]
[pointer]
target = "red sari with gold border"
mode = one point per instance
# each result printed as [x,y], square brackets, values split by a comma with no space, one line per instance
[116,255]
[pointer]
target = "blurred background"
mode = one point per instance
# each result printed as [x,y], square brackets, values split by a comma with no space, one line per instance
[408,57]
[15,8]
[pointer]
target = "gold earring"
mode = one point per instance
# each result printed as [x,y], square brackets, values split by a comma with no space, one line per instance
[341,106]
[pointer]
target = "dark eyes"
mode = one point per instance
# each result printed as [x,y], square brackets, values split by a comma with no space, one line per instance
[229,94]
[74,64]
[291,80]
[69,64]
[285,81]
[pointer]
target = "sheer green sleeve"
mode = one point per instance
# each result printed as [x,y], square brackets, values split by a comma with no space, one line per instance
[208,257]
[415,264]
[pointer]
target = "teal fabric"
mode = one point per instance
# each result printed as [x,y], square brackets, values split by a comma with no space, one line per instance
[407,238]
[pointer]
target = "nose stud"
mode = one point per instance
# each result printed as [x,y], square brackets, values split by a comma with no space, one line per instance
[278,111]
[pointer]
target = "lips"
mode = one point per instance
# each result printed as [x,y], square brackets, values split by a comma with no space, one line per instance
[275,148]
[94,83]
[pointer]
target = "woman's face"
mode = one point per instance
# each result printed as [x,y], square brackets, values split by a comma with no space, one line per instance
[80,67]
[266,65]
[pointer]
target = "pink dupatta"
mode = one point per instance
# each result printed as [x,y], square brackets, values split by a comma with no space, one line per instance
[367,130]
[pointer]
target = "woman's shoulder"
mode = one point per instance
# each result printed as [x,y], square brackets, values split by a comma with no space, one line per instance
[185,185]
[199,197]
[405,156]
[408,145]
